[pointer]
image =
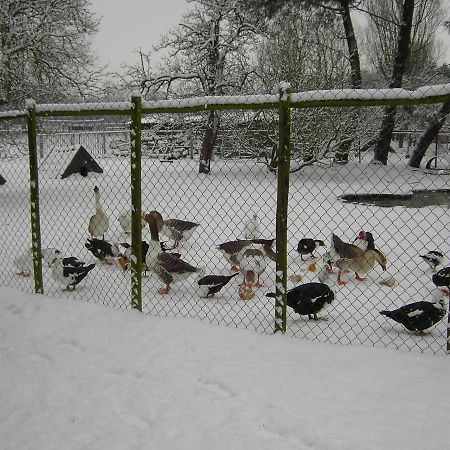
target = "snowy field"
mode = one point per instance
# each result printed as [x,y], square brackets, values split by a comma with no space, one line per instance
[78,375]
[221,203]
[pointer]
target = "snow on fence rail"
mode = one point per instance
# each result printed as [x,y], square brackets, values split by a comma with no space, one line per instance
[291,204]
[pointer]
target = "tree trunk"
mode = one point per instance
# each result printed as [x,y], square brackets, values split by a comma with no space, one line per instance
[341,155]
[401,56]
[209,140]
[429,134]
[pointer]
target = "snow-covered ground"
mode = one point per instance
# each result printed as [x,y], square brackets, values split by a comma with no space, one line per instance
[221,202]
[78,375]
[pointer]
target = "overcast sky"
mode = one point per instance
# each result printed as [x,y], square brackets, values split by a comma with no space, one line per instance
[131,24]
[128,25]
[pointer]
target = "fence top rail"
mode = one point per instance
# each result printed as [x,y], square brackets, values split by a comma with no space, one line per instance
[327,97]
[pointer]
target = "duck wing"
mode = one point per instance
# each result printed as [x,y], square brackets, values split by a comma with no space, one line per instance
[173,264]
[345,250]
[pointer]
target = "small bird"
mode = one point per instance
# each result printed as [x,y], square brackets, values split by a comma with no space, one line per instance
[67,275]
[309,299]
[211,284]
[166,266]
[434,258]
[306,246]
[99,222]
[442,279]
[252,227]
[419,316]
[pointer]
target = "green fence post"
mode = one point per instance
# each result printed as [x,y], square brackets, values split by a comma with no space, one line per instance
[136,208]
[34,198]
[284,162]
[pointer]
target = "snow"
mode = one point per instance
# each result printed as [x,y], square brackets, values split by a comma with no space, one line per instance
[78,375]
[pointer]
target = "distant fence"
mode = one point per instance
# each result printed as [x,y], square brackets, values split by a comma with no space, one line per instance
[279,165]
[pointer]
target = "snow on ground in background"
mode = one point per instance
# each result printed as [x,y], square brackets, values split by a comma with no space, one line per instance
[78,375]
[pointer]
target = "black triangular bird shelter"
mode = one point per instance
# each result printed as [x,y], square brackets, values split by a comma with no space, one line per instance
[82,163]
[2,180]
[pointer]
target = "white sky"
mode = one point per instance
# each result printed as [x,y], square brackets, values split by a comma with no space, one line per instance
[129,25]
[132,24]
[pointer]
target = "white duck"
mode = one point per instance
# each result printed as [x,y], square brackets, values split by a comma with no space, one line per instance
[24,263]
[99,222]
[252,228]
[166,266]
[124,219]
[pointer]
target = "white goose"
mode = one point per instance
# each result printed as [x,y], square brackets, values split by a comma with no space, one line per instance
[166,266]
[99,222]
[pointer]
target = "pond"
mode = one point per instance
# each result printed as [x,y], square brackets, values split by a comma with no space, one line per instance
[417,199]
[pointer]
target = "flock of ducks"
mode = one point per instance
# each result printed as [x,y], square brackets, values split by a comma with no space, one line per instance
[247,257]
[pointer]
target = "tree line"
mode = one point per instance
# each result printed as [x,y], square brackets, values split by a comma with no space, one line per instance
[228,47]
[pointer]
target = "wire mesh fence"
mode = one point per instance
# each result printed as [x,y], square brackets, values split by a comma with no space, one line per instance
[86,160]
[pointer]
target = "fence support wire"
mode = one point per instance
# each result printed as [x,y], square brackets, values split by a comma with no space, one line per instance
[34,198]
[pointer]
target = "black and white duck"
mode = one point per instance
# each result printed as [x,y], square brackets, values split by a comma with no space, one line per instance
[310,299]
[48,254]
[441,279]
[209,285]
[306,246]
[252,264]
[103,250]
[433,258]
[69,276]
[419,316]
[166,266]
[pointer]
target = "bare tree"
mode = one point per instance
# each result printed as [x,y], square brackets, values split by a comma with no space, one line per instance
[205,57]
[45,50]
[398,70]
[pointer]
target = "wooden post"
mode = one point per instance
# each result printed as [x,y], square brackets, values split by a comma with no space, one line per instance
[136,208]
[34,198]
[284,161]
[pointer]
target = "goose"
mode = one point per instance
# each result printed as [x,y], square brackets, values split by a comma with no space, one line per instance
[209,285]
[419,316]
[442,279]
[167,267]
[252,264]
[252,227]
[433,258]
[306,246]
[232,250]
[178,230]
[67,275]
[99,222]
[361,264]
[309,299]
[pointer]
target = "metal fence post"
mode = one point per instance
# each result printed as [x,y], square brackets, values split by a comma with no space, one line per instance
[136,208]
[284,159]
[34,198]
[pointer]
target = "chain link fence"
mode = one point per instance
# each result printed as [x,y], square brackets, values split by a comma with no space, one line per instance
[276,158]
